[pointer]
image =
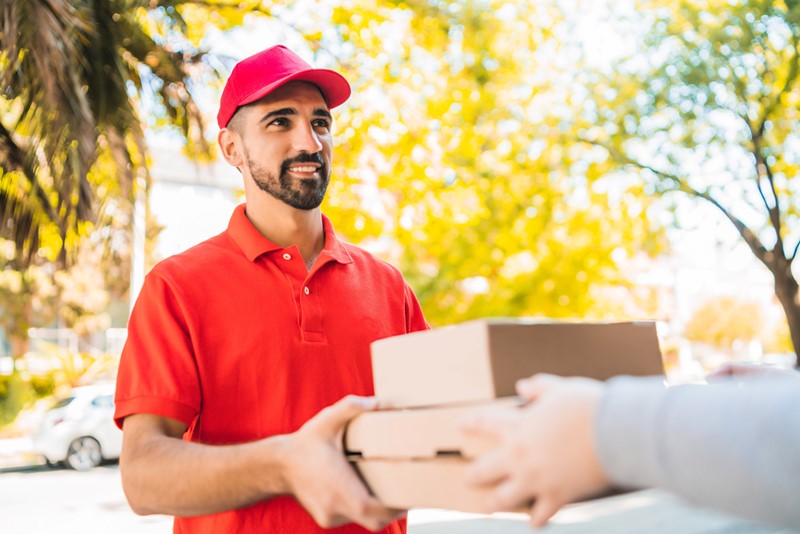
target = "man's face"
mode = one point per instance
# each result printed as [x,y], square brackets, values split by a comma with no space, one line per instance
[287,144]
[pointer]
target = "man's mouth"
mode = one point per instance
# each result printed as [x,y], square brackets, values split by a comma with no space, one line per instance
[304,169]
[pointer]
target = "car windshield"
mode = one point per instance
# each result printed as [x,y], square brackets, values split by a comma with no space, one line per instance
[62,403]
[104,401]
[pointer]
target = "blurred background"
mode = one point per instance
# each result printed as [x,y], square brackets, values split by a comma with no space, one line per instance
[561,159]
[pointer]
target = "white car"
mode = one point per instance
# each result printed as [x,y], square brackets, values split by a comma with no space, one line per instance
[79,431]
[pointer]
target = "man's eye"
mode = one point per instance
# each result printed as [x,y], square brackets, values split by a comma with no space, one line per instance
[279,122]
[322,124]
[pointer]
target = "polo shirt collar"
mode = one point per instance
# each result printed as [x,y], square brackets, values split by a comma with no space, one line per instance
[254,245]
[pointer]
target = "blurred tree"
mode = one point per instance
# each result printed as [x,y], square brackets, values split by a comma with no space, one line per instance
[708,106]
[452,158]
[74,77]
[451,161]
[26,295]
[723,321]
[778,339]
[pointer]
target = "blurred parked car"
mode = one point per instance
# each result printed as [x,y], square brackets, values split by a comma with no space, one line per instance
[79,431]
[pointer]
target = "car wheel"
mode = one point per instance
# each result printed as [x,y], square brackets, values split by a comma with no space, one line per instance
[83,454]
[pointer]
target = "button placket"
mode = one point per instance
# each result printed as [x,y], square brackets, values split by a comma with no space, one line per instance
[311,312]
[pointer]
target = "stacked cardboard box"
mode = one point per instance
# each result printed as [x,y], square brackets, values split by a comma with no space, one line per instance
[413,454]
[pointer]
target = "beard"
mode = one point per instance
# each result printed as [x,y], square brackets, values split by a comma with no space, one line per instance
[303,194]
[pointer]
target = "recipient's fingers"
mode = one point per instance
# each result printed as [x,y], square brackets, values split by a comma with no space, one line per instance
[533,387]
[487,470]
[510,495]
[483,425]
[543,509]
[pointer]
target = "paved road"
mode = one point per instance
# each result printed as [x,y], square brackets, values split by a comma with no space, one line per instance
[41,500]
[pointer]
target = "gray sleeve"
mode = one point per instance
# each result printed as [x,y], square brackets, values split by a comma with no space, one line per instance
[729,446]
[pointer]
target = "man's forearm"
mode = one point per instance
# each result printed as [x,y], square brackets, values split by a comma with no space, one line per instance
[165,475]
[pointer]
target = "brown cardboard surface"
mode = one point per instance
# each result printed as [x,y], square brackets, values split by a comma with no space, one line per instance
[420,433]
[437,483]
[481,360]
[422,484]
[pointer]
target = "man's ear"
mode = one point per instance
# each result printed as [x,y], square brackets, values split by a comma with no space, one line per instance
[229,144]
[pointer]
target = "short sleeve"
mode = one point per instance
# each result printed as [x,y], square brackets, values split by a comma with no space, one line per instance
[158,371]
[415,319]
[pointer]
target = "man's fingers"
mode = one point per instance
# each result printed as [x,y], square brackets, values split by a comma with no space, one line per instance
[367,511]
[363,508]
[543,509]
[376,516]
[333,418]
[531,388]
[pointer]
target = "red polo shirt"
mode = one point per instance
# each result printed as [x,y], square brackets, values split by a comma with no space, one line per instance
[235,338]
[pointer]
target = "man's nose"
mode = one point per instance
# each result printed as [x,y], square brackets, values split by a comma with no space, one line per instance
[306,139]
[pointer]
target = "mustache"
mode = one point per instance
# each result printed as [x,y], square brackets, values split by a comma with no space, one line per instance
[303,157]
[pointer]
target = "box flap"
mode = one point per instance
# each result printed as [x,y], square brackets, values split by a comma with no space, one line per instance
[421,433]
[422,484]
[482,360]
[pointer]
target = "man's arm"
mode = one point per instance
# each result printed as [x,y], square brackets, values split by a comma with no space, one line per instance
[163,474]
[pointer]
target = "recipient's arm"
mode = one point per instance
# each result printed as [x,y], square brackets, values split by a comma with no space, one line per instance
[163,474]
[729,447]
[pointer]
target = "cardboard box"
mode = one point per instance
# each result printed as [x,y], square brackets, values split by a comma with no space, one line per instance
[420,433]
[481,360]
[416,458]
[422,484]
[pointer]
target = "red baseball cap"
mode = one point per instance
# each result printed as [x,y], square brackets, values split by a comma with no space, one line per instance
[260,74]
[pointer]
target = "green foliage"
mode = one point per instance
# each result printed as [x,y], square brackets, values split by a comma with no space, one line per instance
[457,160]
[73,78]
[73,156]
[5,386]
[779,340]
[19,394]
[708,106]
[722,321]
[48,372]
[43,386]
[457,157]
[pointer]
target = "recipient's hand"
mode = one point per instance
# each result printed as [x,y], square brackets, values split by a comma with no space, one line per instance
[547,450]
[319,477]
[746,371]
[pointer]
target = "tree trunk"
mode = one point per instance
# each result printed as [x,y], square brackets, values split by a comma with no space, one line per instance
[19,346]
[786,289]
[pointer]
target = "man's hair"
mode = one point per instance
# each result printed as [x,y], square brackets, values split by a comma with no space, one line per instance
[237,120]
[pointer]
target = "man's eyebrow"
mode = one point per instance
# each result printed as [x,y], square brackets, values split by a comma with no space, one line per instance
[322,112]
[319,112]
[278,112]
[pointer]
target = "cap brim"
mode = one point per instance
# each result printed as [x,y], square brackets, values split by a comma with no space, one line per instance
[334,87]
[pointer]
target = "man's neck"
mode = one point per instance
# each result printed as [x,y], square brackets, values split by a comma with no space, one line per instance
[286,226]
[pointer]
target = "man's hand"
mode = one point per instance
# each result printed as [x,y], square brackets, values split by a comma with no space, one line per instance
[547,450]
[317,474]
